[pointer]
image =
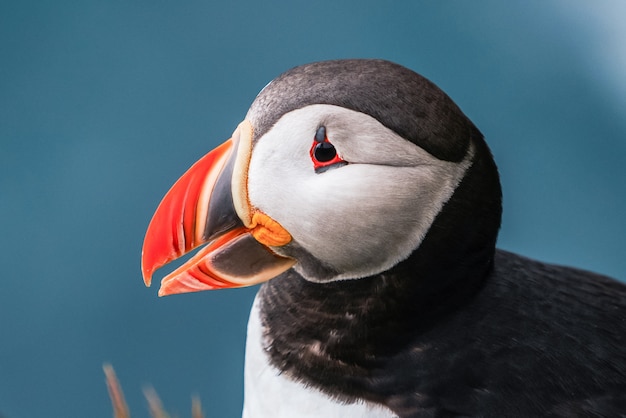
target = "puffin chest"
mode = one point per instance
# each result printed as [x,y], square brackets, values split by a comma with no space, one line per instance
[268,393]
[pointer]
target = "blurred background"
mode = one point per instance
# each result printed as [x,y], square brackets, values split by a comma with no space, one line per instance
[103,105]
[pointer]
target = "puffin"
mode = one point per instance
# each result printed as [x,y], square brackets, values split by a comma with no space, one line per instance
[368,206]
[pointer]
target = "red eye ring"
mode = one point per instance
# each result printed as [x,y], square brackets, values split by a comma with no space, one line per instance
[323,152]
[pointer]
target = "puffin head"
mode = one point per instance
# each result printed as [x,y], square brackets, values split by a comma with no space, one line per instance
[340,170]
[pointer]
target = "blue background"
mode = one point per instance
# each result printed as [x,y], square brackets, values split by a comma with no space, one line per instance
[104,104]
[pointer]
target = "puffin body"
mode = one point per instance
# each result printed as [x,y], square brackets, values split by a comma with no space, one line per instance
[373,205]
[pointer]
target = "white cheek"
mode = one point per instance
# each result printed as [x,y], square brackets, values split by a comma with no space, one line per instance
[368,218]
[277,174]
[361,219]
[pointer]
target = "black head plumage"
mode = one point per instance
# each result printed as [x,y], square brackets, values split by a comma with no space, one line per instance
[397,97]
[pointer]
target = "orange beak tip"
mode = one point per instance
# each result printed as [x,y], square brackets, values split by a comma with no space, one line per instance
[146,274]
[174,284]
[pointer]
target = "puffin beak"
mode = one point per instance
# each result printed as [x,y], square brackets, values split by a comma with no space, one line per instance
[209,205]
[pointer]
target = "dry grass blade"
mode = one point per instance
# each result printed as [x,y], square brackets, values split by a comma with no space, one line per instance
[120,409]
[154,403]
[196,408]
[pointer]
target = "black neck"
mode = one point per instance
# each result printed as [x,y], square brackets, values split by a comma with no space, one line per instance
[335,335]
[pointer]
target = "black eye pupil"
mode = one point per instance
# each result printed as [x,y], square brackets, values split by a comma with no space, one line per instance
[324,152]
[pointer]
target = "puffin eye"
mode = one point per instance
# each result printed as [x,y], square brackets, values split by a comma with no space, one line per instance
[323,152]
